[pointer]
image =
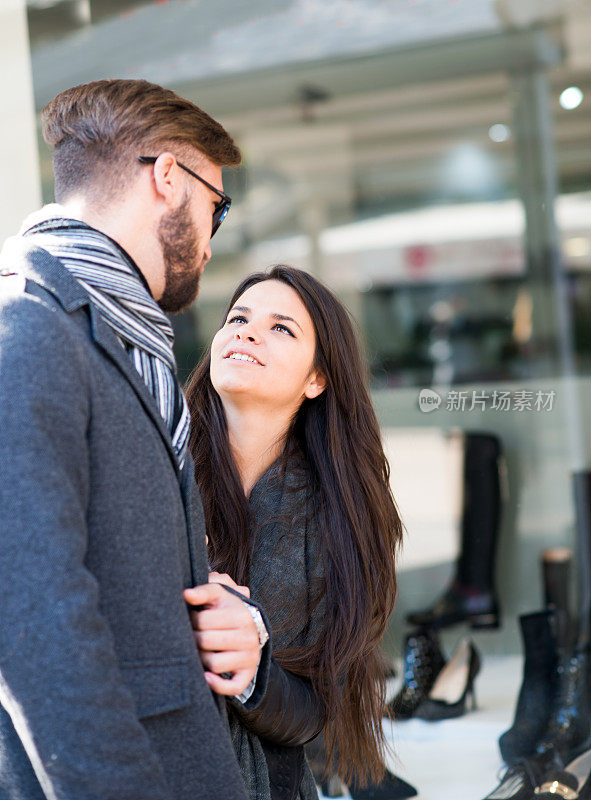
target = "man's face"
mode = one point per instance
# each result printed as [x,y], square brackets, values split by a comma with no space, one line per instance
[184,233]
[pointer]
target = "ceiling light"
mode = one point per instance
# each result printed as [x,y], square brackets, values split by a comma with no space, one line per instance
[571,98]
[499,132]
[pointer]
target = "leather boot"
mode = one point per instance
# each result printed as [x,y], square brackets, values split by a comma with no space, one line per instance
[460,603]
[423,661]
[471,596]
[538,688]
[569,728]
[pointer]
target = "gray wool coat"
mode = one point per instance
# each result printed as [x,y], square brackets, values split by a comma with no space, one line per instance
[102,694]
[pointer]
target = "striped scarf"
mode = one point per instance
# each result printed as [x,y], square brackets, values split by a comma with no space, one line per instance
[120,292]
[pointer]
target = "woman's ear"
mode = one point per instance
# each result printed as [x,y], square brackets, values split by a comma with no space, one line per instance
[316,385]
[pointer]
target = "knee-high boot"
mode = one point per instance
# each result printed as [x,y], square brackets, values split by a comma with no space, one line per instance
[471,596]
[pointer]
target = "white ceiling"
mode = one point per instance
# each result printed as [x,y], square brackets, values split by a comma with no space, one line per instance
[192,40]
[410,85]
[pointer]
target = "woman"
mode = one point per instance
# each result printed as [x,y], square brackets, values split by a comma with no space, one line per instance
[295,489]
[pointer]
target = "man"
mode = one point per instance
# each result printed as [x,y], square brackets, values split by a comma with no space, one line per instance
[103,694]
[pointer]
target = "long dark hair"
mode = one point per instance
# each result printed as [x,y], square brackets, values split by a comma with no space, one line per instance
[338,435]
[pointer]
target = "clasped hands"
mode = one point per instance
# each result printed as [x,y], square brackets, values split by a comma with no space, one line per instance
[225,634]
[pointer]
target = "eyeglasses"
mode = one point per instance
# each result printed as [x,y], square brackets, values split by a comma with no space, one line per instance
[221,209]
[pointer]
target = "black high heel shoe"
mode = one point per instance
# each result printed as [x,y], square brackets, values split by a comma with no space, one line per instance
[423,661]
[455,682]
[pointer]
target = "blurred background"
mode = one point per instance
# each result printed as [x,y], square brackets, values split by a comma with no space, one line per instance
[431,161]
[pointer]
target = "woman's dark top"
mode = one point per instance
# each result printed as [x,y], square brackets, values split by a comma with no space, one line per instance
[287,580]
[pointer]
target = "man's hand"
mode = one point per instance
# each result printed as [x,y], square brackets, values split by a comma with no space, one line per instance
[226,636]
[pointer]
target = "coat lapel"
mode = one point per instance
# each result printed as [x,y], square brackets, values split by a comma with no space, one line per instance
[44,269]
[105,338]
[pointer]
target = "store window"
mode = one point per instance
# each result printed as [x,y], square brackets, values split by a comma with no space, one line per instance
[431,162]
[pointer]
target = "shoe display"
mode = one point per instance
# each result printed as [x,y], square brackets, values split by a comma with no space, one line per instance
[572,783]
[471,597]
[538,688]
[455,682]
[390,788]
[423,661]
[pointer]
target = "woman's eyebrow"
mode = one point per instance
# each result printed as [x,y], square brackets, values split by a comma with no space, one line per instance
[285,318]
[281,317]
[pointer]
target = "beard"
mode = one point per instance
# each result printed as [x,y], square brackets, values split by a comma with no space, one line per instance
[178,237]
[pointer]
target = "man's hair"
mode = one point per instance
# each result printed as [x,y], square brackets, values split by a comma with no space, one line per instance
[98,129]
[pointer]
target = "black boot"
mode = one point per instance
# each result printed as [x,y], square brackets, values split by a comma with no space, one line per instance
[471,596]
[538,688]
[569,729]
[423,661]
[557,580]
[460,603]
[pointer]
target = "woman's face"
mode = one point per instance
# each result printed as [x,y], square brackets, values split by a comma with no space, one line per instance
[265,351]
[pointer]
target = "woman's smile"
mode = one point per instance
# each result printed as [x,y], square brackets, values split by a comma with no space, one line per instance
[242,356]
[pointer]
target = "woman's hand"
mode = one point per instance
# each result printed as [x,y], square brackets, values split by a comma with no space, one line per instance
[226,580]
[225,634]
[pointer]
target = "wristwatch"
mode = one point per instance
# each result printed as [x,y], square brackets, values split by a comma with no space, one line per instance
[260,625]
